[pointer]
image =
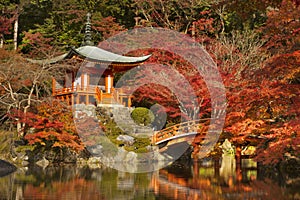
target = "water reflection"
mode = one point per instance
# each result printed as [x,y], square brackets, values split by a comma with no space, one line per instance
[207,179]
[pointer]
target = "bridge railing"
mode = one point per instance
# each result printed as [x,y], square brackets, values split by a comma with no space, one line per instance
[196,126]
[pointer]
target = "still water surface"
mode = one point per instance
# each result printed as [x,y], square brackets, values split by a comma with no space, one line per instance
[182,181]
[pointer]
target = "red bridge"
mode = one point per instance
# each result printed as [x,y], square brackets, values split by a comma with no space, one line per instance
[186,132]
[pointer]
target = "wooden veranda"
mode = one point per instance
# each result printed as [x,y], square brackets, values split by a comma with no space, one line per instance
[91,94]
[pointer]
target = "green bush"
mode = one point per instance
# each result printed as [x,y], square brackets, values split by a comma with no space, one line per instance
[142,116]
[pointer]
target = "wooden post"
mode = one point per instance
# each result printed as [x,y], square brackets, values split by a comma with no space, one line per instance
[67,99]
[217,167]
[77,99]
[100,94]
[87,99]
[195,169]
[176,193]
[153,141]
[109,80]
[129,101]
[174,130]
[73,79]
[82,81]
[117,95]
[72,99]
[238,161]
[121,100]
[106,83]
[112,82]
[88,81]
[238,154]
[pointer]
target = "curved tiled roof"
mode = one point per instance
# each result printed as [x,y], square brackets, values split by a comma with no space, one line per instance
[98,54]
[92,53]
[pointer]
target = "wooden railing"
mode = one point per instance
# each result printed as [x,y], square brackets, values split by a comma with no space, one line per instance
[98,94]
[67,90]
[116,96]
[61,91]
[197,126]
[121,97]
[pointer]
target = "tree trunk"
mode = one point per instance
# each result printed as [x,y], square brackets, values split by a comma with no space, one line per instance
[1,41]
[194,30]
[19,128]
[16,27]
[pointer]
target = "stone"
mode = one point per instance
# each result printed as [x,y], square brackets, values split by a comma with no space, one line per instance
[6,168]
[95,150]
[121,155]
[126,139]
[227,148]
[24,163]
[43,163]
[131,157]
[81,110]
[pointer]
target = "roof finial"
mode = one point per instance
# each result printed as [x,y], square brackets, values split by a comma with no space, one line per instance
[88,31]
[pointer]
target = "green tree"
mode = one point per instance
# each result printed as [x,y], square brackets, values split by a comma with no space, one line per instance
[63,25]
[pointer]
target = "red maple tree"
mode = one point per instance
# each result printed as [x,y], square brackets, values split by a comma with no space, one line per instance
[51,126]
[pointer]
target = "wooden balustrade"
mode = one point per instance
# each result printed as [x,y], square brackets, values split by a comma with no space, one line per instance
[180,129]
[115,97]
[68,90]
[115,94]
[99,94]
[121,98]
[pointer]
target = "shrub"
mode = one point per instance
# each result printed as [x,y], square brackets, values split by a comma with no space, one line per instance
[142,116]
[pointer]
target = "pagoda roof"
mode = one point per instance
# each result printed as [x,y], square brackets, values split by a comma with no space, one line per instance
[93,54]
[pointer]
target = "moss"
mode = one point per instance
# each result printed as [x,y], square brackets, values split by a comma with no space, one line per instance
[141,150]
[112,131]
[25,148]
[109,148]
[129,148]
[141,142]
[139,146]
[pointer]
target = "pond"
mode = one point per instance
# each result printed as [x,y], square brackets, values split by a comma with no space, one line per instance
[205,179]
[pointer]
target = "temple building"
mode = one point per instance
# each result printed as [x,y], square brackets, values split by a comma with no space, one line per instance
[93,82]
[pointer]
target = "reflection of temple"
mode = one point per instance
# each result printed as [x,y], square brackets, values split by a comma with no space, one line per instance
[174,182]
[205,182]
